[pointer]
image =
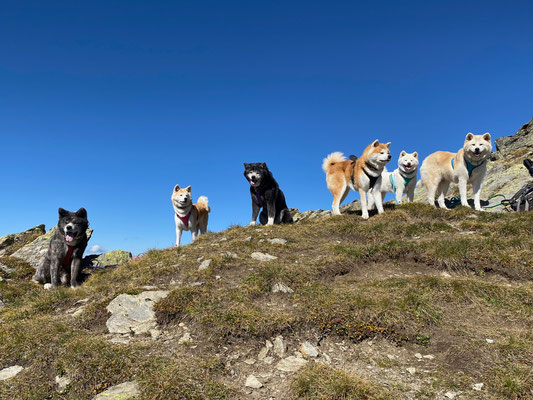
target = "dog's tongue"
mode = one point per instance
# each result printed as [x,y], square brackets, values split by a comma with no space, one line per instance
[252,183]
[68,238]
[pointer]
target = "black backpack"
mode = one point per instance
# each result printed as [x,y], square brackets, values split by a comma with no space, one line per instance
[523,199]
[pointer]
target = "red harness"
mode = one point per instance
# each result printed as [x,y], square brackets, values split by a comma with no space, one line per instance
[185,219]
[66,261]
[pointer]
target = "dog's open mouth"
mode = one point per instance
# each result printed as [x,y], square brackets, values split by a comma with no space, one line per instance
[68,237]
[408,167]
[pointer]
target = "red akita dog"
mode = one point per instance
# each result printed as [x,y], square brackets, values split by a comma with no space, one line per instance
[361,175]
[188,216]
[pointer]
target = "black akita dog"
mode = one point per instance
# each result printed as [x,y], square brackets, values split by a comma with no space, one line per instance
[266,194]
[65,251]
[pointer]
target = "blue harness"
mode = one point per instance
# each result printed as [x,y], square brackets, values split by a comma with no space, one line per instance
[406,181]
[469,166]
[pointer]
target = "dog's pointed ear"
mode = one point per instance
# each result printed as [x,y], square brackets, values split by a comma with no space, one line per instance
[176,188]
[62,212]
[486,136]
[245,165]
[264,165]
[388,145]
[188,188]
[375,143]
[403,153]
[415,154]
[469,136]
[82,213]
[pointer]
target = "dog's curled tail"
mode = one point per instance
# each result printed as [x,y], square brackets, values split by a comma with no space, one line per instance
[332,159]
[204,203]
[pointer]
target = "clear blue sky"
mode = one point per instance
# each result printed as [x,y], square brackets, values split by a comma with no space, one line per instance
[109,104]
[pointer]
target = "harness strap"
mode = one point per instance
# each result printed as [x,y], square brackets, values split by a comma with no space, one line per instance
[66,260]
[469,166]
[258,197]
[185,219]
[373,179]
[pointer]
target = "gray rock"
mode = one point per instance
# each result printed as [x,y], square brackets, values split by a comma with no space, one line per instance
[523,139]
[265,350]
[8,240]
[253,382]
[204,265]
[111,258]
[62,383]
[450,395]
[291,364]
[411,370]
[10,372]
[262,256]
[34,252]
[185,339]
[277,241]
[281,287]
[124,391]
[6,269]
[478,386]
[2,304]
[134,313]
[307,349]
[280,348]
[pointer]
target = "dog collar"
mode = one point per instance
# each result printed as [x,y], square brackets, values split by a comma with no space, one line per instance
[258,198]
[184,219]
[469,166]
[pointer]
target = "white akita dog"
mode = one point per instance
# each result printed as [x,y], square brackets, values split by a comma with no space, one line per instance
[401,180]
[468,165]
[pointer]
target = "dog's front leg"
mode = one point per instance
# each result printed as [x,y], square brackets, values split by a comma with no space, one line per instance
[411,193]
[178,236]
[476,188]
[255,212]
[462,191]
[194,233]
[364,210]
[54,272]
[74,271]
[399,194]
[271,214]
[378,199]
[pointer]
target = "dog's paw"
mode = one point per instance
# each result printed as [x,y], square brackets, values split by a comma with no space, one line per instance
[48,286]
[252,223]
[365,216]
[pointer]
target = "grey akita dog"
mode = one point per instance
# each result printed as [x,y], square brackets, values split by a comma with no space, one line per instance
[63,260]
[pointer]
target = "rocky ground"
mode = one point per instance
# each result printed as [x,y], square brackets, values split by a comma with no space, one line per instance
[416,303]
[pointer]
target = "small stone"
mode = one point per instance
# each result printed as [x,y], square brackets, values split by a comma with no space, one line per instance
[280,347]
[62,383]
[230,254]
[281,287]
[489,341]
[450,395]
[204,265]
[429,356]
[264,351]
[291,364]
[262,256]
[249,361]
[268,360]
[155,333]
[218,277]
[307,349]
[477,386]
[411,370]
[277,241]
[418,355]
[445,275]
[247,239]
[200,258]
[253,382]
[10,372]
[185,339]
[124,391]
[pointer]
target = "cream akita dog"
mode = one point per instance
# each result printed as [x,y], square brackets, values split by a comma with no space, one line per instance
[468,165]
[188,216]
[361,175]
[401,180]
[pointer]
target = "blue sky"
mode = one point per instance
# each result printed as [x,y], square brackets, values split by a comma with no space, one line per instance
[108,105]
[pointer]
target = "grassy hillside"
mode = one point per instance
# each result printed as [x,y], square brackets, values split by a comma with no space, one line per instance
[399,307]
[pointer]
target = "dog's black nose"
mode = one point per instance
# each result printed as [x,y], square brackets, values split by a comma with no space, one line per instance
[476,150]
[69,228]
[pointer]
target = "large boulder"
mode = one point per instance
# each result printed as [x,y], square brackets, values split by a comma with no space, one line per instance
[11,243]
[34,252]
[521,141]
[111,258]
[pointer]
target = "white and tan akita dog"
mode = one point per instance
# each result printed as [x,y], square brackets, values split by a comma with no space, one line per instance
[188,216]
[360,175]
[401,180]
[468,165]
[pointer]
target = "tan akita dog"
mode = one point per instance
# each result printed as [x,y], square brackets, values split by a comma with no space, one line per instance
[468,165]
[188,216]
[361,175]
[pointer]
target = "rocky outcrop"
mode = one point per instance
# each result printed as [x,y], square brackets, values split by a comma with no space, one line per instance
[124,391]
[349,208]
[109,259]
[11,243]
[521,141]
[34,252]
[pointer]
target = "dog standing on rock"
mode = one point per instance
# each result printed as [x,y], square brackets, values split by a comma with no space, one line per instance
[65,251]
[188,216]
[266,194]
[361,175]
[468,165]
